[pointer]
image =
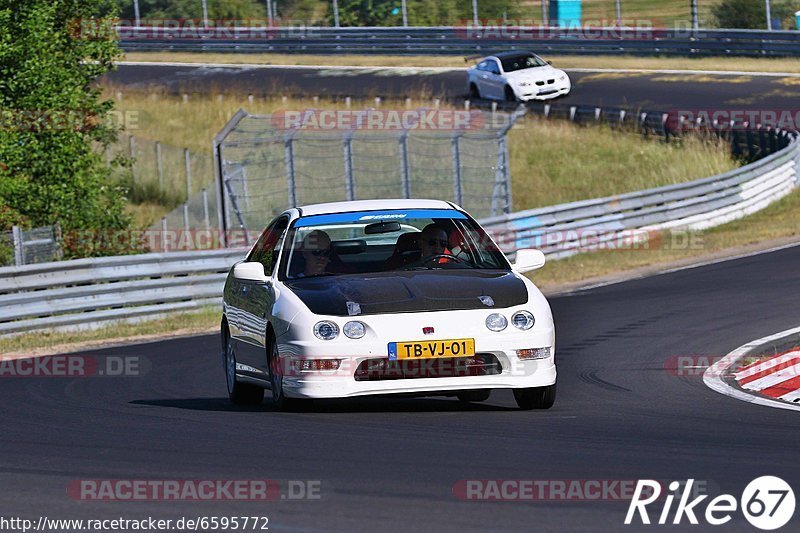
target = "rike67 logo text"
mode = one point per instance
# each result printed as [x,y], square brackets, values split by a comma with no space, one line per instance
[767,503]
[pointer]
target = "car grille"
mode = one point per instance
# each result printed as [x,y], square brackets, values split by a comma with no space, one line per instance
[482,364]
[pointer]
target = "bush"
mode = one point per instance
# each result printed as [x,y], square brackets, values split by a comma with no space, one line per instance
[752,14]
[53,117]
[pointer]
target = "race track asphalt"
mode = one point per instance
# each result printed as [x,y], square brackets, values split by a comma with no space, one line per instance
[652,91]
[391,464]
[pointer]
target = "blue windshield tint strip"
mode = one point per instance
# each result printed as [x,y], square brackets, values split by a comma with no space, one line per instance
[367,217]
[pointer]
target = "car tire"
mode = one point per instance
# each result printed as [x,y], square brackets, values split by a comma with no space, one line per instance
[474,92]
[238,393]
[470,396]
[279,398]
[510,96]
[536,397]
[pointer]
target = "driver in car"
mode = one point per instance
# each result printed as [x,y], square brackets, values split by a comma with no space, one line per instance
[316,250]
[434,243]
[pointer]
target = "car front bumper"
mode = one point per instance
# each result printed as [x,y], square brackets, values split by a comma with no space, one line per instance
[527,94]
[342,383]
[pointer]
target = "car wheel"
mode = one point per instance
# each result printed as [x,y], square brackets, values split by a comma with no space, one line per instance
[279,398]
[469,396]
[474,93]
[536,397]
[510,96]
[239,393]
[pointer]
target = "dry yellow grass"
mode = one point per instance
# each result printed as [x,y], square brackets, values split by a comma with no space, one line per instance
[788,65]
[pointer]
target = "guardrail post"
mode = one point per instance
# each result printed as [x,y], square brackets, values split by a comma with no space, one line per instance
[349,181]
[457,188]
[404,170]
[58,238]
[19,246]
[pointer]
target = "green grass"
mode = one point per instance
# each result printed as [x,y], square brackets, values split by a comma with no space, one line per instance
[199,322]
[551,161]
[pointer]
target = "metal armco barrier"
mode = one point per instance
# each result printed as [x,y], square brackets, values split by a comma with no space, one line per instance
[467,40]
[571,228]
[86,292]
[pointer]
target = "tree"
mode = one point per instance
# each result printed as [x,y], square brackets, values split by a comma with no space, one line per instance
[53,117]
[193,9]
[752,14]
[421,12]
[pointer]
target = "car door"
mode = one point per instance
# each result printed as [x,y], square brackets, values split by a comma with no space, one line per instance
[495,82]
[257,299]
[482,78]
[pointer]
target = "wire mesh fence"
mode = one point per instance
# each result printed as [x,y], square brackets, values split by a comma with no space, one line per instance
[267,164]
[29,246]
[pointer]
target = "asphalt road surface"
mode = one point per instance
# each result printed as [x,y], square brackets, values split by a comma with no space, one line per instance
[391,464]
[652,91]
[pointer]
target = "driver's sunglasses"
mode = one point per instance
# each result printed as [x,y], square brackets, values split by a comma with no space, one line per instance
[435,242]
[324,252]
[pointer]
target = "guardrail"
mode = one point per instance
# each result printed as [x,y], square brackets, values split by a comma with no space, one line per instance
[466,40]
[630,219]
[86,293]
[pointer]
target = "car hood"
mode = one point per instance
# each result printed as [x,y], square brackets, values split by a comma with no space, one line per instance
[534,74]
[408,292]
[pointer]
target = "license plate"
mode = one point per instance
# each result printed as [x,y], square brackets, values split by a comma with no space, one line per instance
[431,349]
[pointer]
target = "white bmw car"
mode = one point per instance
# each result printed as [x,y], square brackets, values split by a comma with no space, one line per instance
[385,297]
[516,76]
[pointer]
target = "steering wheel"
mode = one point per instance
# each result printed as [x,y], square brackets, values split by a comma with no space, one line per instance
[425,260]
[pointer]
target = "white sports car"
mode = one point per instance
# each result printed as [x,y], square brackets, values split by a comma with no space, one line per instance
[516,76]
[384,297]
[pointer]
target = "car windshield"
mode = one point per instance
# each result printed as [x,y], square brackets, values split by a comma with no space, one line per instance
[510,64]
[383,241]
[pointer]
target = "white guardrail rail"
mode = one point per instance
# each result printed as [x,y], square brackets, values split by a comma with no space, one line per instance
[88,293]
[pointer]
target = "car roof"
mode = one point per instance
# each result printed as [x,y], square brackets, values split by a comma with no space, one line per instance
[511,53]
[372,205]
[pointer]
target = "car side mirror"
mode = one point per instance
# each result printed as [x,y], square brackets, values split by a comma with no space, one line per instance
[528,259]
[252,271]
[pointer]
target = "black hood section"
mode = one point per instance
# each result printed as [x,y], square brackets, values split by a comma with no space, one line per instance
[408,292]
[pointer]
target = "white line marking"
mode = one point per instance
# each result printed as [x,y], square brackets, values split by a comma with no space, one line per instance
[792,396]
[713,376]
[449,69]
[766,365]
[773,379]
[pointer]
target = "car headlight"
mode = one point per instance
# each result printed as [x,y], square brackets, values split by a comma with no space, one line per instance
[522,320]
[354,330]
[326,330]
[496,322]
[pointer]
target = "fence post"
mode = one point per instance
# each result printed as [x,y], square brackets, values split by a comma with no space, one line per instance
[188,165]
[19,246]
[58,238]
[404,170]
[456,148]
[164,247]
[132,148]
[159,167]
[288,159]
[186,224]
[349,181]
[206,219]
